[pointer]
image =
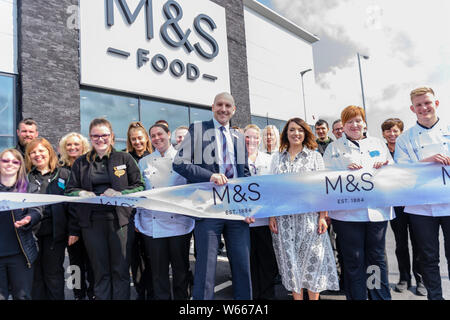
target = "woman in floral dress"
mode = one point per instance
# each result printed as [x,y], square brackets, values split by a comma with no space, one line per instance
[302,245]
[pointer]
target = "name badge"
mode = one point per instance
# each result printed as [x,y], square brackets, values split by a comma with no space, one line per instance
[374,154]
[120,170]
[61,183]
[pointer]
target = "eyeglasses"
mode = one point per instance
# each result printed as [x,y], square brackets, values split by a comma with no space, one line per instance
[15,162]
[96,137]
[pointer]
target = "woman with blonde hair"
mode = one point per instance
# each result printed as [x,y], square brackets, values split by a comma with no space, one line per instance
[71,146]
[139,146]
[263,263]
[271,139]
[44,173]
[18,249]
[138,141]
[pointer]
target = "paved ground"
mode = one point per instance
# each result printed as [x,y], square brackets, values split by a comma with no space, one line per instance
[224,289]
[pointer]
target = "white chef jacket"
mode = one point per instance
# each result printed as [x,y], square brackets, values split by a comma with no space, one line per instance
[341,153]
[157,173]
[418,143]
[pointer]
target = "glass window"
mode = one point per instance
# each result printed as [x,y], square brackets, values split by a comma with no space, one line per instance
[7,121]
[262,122]
[200,114]
[278,123]
[175,115]
[119,110]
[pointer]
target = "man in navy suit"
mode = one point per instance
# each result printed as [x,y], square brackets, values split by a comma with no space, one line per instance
[214,152]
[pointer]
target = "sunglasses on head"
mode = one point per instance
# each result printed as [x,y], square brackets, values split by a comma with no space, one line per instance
[16,162]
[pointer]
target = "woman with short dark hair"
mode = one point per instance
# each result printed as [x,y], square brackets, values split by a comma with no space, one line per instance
[361,232]
[391,129]
[166,235]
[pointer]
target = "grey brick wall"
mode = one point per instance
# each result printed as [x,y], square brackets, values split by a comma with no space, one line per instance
[48,67]
[48,64]
[237,56]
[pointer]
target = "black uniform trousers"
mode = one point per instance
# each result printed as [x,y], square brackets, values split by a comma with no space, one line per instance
[263,263]
[106,245]
[15,274]
[337,255]
[49,282]
[140,269]
[160,252]
[426,232]
[400,226]
[78,257]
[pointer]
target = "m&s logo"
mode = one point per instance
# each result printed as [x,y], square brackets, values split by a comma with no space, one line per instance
[173,14]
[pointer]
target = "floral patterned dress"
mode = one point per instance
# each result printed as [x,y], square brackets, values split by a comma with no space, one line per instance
[305,257]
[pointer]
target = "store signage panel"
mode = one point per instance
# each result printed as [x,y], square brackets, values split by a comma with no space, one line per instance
[8,36]
[170,49]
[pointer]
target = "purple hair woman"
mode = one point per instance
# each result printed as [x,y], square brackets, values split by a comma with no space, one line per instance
[18,249]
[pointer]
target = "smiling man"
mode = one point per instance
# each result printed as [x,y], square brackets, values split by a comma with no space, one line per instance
[223,156]
[323,140]
[427,141]
[27,130]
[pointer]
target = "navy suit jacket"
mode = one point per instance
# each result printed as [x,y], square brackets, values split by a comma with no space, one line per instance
[196,158]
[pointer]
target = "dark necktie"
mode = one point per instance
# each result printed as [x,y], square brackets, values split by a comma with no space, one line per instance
[253,169]
[226,161]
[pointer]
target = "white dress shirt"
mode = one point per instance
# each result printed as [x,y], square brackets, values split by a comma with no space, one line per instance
[230,147]
[260,167]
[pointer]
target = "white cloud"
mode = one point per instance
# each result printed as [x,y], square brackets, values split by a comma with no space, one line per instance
[406,43]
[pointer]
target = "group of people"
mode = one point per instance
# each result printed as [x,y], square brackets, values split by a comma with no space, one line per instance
[310,252]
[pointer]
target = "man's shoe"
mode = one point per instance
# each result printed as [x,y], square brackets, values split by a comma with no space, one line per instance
[420,289]
[401,286]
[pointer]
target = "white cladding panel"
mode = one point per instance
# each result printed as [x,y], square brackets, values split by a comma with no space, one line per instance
[111,71]
[8,36]
[275,59]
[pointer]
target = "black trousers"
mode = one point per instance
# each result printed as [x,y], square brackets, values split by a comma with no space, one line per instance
[363,247]
[141,272]
[337,254]
[400,226]
[426,232]
[106,245]
[162,252]
[15,274]
[78,256]
[49,282]
[263,263]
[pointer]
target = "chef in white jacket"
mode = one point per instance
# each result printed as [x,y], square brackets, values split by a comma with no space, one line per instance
[166,235]
[427,141]
[361,232]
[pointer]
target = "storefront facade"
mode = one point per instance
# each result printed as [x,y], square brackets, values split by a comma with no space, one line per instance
[68,61]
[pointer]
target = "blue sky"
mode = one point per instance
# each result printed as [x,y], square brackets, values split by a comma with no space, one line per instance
[266,2]
[406,45]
